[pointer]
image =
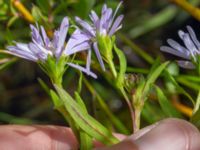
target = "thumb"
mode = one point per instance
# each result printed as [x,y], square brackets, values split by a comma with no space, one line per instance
[169,134]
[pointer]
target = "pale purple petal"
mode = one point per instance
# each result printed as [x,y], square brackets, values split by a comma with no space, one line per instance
[45,37]
[22,46]
[193,36]
[78,48]
[93,16]
[42,49]
[174,52]
[177,46]
[188,42]
[186,64]
[82,69]
[13,50]
[116,10]
[36,35]
[62,36]
[87,27]
[76,43]
[37,51]
[88,63]
[116,25]
[96,50]
[55,39]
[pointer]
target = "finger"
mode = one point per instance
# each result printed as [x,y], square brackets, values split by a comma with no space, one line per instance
[14,137]
[169,134]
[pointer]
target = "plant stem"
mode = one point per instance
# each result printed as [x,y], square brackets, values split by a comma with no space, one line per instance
[112,67]
[132,112]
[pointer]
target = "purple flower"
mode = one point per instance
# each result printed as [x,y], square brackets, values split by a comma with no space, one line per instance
[41,46]
[106,25]
[189,52]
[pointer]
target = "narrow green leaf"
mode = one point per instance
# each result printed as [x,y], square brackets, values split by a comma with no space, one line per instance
[44,86]
[166,106]
[122,67]
[86,141]
[85,121]
[56,100]
[179,88]
[195,119]
[153,76]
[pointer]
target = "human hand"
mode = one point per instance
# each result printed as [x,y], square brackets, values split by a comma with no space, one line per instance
[169,134]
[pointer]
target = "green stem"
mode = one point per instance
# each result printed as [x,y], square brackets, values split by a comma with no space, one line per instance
[132,112]
[112,67]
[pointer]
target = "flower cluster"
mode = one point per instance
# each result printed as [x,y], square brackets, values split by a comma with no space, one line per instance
[86,38]
[189,52]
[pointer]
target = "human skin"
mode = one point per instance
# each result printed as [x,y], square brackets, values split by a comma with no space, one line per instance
[168,134]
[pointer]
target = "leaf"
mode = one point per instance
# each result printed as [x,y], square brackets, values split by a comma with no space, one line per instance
[83,7]
[122,67]
[85,139]
[179,88]
[44,86]
[154,74]
[85,121]
[44,5]
[56,100]
[166,106]
[195,119]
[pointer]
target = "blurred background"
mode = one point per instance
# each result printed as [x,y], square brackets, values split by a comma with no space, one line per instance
[146,26]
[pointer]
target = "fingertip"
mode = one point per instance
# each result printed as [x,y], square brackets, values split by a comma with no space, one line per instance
[37,137]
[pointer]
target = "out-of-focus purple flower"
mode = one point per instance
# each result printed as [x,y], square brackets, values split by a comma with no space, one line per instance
[106,25]
[189,52]
[41,46]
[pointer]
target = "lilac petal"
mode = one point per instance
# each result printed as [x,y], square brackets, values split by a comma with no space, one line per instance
[62,35]
[116,25]
[42,49]
[93,16]
[96,50]
[45,37]
[55,39]
[36,35]
[105,20]
[20,53]
[177,46]
[116,10]
[22,46]
[186,64]
[78,48]
[193,36]
[188,42]
[82,69]
[85,26]
[88,63]
[174,52]
[76,43]
[104,9]
[37,51]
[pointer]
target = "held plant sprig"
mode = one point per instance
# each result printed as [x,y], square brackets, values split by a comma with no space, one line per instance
[52,57]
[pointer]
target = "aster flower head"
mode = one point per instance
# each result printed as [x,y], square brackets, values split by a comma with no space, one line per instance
[51,54]
[98,33]
[189,52]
